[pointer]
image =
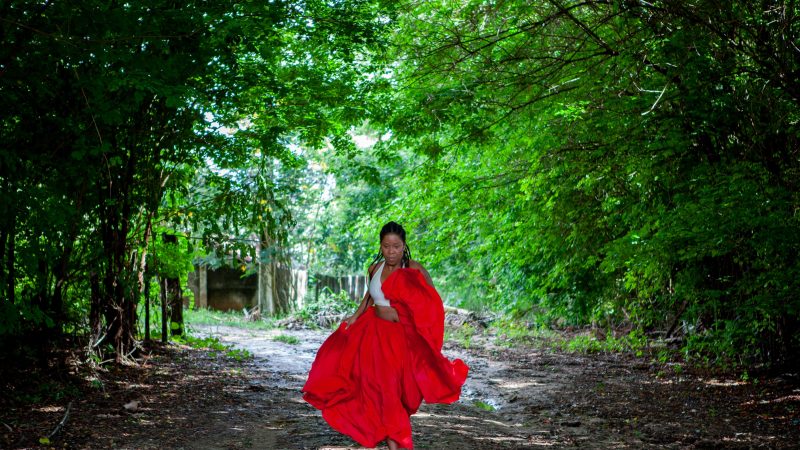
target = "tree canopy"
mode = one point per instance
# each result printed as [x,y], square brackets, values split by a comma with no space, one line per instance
[616,163]
[611,162]
[117,113]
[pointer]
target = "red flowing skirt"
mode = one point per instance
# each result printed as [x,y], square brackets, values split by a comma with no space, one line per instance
[369,378]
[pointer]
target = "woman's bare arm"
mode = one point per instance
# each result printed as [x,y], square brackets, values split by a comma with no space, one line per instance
[365,302]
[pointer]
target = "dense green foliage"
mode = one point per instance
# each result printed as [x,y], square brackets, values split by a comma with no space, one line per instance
[610,162]
[123,117]
[568,162]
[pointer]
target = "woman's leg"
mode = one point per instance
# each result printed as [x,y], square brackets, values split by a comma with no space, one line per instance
[392,444]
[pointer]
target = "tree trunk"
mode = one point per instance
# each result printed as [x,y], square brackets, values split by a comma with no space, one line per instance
[10,272]
[147,309]
[272,292]
[62,268]
[120,306]
[164,314]
[174,297]
[95,309]
[6,232]
[144,278]
[176,307]
[41,299]
[117,302]
[3,244]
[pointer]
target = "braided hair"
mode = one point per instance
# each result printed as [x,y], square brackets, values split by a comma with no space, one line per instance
[394,228]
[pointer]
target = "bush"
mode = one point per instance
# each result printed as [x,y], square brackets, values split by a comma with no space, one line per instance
[329,308]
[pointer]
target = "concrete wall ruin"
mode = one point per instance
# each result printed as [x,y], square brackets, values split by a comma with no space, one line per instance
[272,288]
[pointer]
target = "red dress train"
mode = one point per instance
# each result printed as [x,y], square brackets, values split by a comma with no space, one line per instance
[369,378]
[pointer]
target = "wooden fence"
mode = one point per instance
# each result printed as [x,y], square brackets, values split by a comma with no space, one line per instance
[354,285]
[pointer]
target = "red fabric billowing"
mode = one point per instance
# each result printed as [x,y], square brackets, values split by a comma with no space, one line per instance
[369,378]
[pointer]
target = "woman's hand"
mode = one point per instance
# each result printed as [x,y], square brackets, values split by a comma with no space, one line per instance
[350,320]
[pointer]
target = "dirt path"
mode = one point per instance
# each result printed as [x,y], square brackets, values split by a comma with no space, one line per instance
[521,397]
[524,398]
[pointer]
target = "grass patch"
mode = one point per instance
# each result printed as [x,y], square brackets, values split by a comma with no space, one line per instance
[238,354]
[463,335]
[214,346]
[511,332]
[634,342]
[226,318]
[286,339]
[583,344]
[483,405]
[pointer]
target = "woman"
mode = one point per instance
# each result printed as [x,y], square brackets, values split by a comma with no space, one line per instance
[373,372]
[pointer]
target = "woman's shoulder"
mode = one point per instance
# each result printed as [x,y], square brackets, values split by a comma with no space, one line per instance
[373,267]
[413,264]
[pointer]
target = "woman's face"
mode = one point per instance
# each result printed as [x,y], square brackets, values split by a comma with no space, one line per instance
[392,249]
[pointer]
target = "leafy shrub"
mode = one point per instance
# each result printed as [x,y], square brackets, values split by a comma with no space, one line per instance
[287,339]
[327,309]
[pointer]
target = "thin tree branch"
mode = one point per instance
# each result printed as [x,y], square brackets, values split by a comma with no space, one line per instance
[61,424]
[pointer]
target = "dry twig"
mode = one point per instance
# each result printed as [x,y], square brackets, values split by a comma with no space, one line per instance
[60,424]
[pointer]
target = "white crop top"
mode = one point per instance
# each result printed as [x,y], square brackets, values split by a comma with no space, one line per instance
[375,290]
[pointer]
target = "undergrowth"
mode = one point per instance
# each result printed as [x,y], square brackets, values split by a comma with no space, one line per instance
[287,339]
[227,318]
[327,310]
[510,333]
[214,346]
